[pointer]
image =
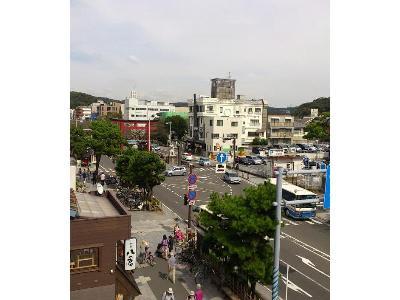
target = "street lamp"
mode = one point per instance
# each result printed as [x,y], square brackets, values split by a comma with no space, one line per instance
[169,137]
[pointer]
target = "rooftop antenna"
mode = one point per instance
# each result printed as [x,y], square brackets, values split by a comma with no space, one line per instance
[229,75]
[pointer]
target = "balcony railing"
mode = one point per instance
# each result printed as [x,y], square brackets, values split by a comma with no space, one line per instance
[281,124]
[281,134]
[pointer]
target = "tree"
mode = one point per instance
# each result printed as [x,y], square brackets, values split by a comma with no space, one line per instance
[179,126]
[78,142]
[237,230]
[259,142]
[105,139]
[162,133]
[141,169]
[319,128]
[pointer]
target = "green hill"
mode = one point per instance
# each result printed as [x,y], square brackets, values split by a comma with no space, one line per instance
[82,99]
[304,110]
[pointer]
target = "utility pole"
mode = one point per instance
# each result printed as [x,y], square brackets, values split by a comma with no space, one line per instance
[190,206]
[277,240]
[234,150]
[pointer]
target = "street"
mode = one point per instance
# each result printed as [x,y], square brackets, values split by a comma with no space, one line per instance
[305,244]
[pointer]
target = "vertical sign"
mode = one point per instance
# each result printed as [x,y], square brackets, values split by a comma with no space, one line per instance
[130,254]
[327,195]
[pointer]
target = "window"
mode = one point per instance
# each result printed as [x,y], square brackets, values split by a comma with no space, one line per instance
[210,108]
[201,121]
[215,136]
[237,112]
[257,110]
[252,134]
[221,109]
[250,111]
[140,108]
[234,124]
[84,259]
[233,135]
[164,109]
[153,109]
[211,122]
[254,122]
[220,122]
[190,108]
[108,108]
[132,116]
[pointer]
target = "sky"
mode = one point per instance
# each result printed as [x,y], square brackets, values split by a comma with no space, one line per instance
[277,50]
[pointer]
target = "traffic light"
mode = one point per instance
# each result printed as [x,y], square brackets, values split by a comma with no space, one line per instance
[185,200]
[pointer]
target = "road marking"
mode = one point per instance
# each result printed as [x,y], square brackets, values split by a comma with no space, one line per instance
[308,247]
[290,222]
[308,277]
[318,222]
[309,222]
[311,265]
[294,287]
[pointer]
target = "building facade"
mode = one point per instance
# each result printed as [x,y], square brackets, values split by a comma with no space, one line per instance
[98,226]
[280,128]
[135,109]
[111,109]
[223,88]
[214,123]
[83,113]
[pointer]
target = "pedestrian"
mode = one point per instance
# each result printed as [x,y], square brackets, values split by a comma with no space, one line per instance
[168,295]
[191,296]
[102,178]
[84,176]
[80,174]
[94,175]
[199,292]
[170,243]
[171,267]
[164,244]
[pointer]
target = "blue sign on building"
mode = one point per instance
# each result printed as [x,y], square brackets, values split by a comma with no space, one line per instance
[327,195]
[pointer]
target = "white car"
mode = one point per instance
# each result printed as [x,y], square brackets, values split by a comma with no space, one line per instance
[187,156]
[176,171]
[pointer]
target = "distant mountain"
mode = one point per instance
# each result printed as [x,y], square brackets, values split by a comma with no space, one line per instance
[304,110]
[82,99]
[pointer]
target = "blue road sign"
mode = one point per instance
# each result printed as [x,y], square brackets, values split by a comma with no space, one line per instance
[327,195]
[192,195]
[221,157]
[192,178]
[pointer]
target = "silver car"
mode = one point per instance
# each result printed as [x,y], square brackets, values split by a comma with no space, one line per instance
[176,171]
[231,177]
[254,160]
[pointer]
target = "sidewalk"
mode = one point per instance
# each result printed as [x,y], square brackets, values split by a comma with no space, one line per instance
[153,281]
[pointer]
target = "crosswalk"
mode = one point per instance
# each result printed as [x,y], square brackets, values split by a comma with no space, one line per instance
[311,221]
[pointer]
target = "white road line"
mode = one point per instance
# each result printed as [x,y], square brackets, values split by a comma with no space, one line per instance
[294,287]
[308,247]
[309,222]
[289,221]
[318,222]
[308,277]
[311,265]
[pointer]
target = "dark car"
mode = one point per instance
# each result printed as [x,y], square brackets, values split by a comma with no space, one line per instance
[244,161]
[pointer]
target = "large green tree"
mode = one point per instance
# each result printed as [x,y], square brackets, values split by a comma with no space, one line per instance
[179,126]
[237,230]
[140,169]
[78,142]
[319,128]
[259,142]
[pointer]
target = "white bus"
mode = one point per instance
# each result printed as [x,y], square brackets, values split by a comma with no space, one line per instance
[292,192]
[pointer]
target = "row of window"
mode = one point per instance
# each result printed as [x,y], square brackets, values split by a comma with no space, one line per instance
[210,109]
[152,109]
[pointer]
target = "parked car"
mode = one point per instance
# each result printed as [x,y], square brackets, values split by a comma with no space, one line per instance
[263,159]
[155,147]
[311,149]
[302,147]
[187,156]
[254,160]
[231,177]
[176,171]
[204,161]
[244,160]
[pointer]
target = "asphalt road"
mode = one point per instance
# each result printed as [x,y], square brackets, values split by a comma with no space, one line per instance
[305,245]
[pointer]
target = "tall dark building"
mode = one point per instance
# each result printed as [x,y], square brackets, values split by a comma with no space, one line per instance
[223,88]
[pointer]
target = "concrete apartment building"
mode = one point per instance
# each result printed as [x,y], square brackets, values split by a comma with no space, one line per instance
[102,109]
[280,127]
[214,122]
[137,110]
[83,113]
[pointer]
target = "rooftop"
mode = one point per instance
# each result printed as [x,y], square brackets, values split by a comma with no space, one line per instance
[91,206]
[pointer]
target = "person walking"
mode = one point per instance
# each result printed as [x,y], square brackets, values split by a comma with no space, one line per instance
[168,295]
[102,178]
[94,175]
[191,296]
[199,292]
[84,176]
[170,243]
[164,244]
[171,267]
[80,174]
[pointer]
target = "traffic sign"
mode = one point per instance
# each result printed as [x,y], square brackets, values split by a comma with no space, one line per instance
[220,168]
[327,195]
[221,157]
[192,178]
[192,195]
[192,187]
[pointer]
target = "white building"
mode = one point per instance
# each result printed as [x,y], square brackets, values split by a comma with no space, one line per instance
[214,122]
[95,106]
[135,109]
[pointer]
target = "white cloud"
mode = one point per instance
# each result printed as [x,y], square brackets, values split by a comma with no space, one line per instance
[133,58]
